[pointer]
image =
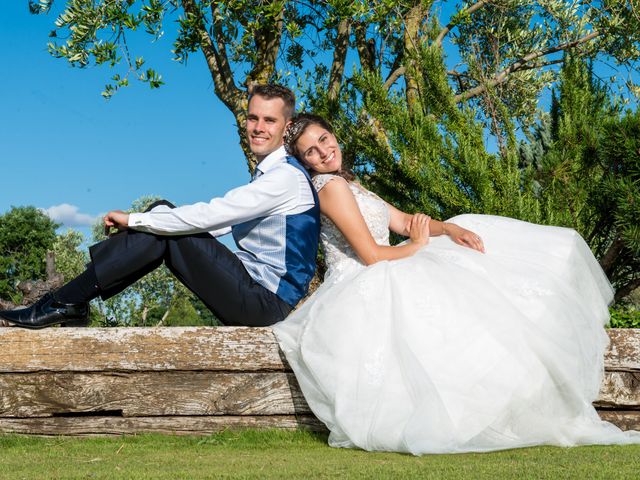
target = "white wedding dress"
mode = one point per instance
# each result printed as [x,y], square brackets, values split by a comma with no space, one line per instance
[452,350]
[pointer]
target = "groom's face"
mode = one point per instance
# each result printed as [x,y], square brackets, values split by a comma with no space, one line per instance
[265,125]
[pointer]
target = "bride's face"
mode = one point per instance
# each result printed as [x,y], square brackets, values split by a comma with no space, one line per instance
[319,150]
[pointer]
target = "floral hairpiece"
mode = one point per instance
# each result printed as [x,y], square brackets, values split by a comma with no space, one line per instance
[291,135]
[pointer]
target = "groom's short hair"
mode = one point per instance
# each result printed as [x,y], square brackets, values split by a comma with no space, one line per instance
[272,90]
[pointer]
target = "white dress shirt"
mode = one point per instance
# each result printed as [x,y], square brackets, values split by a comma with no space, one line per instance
[280,188]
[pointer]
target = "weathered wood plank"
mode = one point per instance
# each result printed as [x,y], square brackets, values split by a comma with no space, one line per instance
[624,349]
[188,348]
[194,380]
[198,393]
[620,390]
[147,394]
[139,349]
[109,425]
[195,425]
[624,419]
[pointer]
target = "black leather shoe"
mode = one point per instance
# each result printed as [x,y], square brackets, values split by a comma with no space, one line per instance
[47,312]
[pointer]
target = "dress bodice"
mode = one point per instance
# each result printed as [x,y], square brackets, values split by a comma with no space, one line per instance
[338,252]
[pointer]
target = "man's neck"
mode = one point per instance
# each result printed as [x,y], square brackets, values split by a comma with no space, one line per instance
[260,158]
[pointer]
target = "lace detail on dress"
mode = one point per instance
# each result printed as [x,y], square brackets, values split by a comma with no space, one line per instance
[322,179]
[526,287]
[338,253]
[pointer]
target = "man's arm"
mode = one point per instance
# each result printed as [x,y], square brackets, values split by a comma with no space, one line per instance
[272,193]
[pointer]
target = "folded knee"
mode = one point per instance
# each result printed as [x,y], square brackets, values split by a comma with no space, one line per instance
[158,203]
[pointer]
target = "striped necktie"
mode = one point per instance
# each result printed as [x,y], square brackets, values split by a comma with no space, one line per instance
[256,174]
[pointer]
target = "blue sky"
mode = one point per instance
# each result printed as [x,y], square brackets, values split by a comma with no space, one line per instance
[64,148]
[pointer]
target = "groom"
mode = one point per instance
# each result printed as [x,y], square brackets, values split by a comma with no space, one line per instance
[274,221]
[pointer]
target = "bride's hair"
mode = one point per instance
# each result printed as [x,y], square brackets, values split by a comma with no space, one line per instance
[298,126]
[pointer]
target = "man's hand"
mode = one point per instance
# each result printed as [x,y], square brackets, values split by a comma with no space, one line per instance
[115,219]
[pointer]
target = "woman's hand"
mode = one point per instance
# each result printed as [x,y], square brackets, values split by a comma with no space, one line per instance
[464,237]
[418,229]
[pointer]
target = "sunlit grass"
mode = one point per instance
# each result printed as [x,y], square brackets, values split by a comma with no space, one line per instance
[284,454]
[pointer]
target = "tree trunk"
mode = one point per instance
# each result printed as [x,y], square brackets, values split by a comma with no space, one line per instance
[413,22]
[339,57]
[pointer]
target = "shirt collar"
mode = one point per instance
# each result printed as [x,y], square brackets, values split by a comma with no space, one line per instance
[274,158]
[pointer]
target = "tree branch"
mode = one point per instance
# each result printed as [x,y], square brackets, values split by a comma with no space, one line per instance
[626,289]
[521,64]
[393,77]
[411,38]
[365,48]
[443,33]
[608,259]
[223,83]
[339,57]
[457,74]
[221,50]
[267,41]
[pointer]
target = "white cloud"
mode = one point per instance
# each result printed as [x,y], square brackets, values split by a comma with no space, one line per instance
[69,215]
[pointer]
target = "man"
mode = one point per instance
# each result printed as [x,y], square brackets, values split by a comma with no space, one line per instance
[274,221]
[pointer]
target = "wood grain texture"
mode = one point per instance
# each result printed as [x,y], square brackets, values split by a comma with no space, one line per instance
[197,393]
[620,390]
[140,349]
[147,394]
[188,348]
[197,425]
[623,353]
[108,425]
[623,419]
[194,380]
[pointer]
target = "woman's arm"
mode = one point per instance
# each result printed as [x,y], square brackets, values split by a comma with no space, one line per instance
[339,205]
[399,221]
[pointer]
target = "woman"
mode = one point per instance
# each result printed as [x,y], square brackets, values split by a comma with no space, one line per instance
[487,336]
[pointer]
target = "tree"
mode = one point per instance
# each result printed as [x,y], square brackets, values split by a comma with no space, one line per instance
[585,161]
[507,48]
[26,234]
[430,157]
[70,259]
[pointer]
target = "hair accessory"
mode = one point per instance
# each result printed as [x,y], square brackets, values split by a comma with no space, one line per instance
[292,133]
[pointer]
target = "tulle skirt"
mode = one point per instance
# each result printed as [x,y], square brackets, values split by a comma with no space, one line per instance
[452,350]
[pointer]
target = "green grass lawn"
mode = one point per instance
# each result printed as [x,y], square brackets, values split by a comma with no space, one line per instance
[281,454]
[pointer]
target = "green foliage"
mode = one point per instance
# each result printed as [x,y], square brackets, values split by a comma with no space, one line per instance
[70,258]
[624,316]
[294,33]
[431,158]
[205,316]
[579,169]
[585,161]
[182,313]
[26,234]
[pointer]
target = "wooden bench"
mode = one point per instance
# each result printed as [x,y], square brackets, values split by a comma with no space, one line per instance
[194,380]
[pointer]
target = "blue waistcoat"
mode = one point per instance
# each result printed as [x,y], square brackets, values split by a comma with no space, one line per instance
[279,251]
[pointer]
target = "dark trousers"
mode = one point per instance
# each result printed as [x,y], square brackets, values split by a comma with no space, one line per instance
[200,262]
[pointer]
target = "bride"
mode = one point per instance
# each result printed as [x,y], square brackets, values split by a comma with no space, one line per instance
[479,333]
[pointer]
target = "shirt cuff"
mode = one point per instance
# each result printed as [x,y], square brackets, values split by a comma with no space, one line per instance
[137,220]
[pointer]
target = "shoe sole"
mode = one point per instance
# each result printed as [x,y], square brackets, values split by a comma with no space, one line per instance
[65,324]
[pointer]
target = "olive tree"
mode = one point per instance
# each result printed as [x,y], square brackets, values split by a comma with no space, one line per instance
[501,53]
